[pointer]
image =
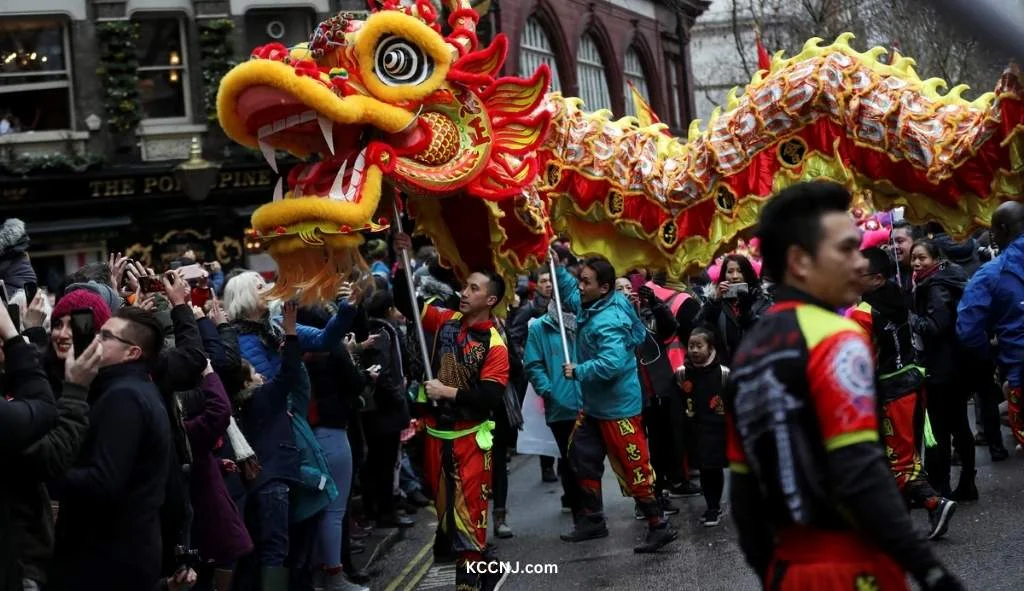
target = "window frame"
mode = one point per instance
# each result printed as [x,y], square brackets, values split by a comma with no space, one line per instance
[673,62]
[638,76]
[68,72]
[186,82]
[599,66]
[524,48]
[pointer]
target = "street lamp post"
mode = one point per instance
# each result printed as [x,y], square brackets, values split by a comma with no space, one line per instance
[196,176]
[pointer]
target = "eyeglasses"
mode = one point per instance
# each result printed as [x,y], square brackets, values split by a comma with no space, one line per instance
[106,335]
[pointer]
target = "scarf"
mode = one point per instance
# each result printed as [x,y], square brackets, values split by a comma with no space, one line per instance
[923,274]
[568,319]
[271,337]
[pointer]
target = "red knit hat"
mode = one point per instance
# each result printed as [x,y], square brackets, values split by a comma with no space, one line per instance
[79,299]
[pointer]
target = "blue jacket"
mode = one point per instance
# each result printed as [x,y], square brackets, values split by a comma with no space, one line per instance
[268,362]
[608,332]
[543,363]
[993,305]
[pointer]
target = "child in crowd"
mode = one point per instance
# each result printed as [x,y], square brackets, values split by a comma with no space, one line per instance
[702,380]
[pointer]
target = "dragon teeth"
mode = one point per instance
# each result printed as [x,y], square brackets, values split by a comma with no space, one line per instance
[268,154]
[279,189]
[327,128]
[337,189]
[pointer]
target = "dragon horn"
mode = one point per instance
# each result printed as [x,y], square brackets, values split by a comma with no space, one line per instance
[466,20]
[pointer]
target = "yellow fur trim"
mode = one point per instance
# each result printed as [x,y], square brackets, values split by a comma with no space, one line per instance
[417,33]
[350,110]
[310,209]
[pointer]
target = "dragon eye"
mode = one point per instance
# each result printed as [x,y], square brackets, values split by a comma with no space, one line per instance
[400,62]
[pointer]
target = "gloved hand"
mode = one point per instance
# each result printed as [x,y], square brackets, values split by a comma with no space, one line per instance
[646,295]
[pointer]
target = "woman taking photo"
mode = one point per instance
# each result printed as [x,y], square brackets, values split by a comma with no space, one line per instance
[734,304]
[938,285]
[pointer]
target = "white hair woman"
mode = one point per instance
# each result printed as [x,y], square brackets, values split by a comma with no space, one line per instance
[296,482]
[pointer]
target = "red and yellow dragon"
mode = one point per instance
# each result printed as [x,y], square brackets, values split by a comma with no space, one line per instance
[494,166]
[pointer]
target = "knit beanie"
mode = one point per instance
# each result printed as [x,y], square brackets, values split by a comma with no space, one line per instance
[104,291]
[80,299]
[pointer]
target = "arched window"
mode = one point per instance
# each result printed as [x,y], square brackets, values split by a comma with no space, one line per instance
[634,72]
[590,71]
[534,50]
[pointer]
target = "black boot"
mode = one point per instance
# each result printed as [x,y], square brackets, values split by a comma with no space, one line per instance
[966,490]
[657,537]
[586,528]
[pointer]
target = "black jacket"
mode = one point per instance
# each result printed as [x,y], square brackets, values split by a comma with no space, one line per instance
[28,415]
[15,266]
[729,324]
[390,412]
[108,533]
[935,301]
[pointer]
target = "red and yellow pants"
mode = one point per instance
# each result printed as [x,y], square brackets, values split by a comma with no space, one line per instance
[624,443]
[1015,414]
[808,559]
[458,476]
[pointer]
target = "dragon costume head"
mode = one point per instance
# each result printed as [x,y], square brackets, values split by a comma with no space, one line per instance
[385,101]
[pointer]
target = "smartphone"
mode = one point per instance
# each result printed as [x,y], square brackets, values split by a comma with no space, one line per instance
[201,295]
[735,289]
[83,331]
[192,272]
[14,311]
[31,287]
[151,284]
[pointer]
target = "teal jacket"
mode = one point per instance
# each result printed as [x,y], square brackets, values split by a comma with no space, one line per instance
[543,363]
[608,332]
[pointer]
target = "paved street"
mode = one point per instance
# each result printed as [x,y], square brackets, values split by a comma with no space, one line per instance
[985,544]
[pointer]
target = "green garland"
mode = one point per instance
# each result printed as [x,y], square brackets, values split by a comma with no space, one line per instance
[216,52]
[118,69]
[27,165]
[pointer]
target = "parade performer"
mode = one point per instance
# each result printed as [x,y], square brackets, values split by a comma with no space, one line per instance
[884,315]
[812,496]
[608,331]
[470,360]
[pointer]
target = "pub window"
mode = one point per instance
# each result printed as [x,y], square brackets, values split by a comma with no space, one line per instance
[35,75]
[534,50]
[590,71]
[163,69]
[634,72]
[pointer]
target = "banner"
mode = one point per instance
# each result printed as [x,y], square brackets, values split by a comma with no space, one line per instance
[535,438]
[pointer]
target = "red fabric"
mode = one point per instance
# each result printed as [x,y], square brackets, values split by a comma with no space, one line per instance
[81,299]
[817,560]
[674,349]
[840,374]
[900,444]
[1014,415]
[472,488]
[764,61]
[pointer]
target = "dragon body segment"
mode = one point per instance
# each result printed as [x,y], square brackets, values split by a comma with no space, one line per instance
[493,166]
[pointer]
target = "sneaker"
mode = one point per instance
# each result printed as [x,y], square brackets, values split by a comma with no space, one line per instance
[711,517]
[586,529]
[565,505]
[638,513]
[548,475]
[338,582]
[685,489]
[503,531]
[998,453]
[939,518]
[667,507]
[657,538]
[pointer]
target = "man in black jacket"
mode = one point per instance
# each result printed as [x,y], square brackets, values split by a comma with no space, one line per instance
[108,534]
